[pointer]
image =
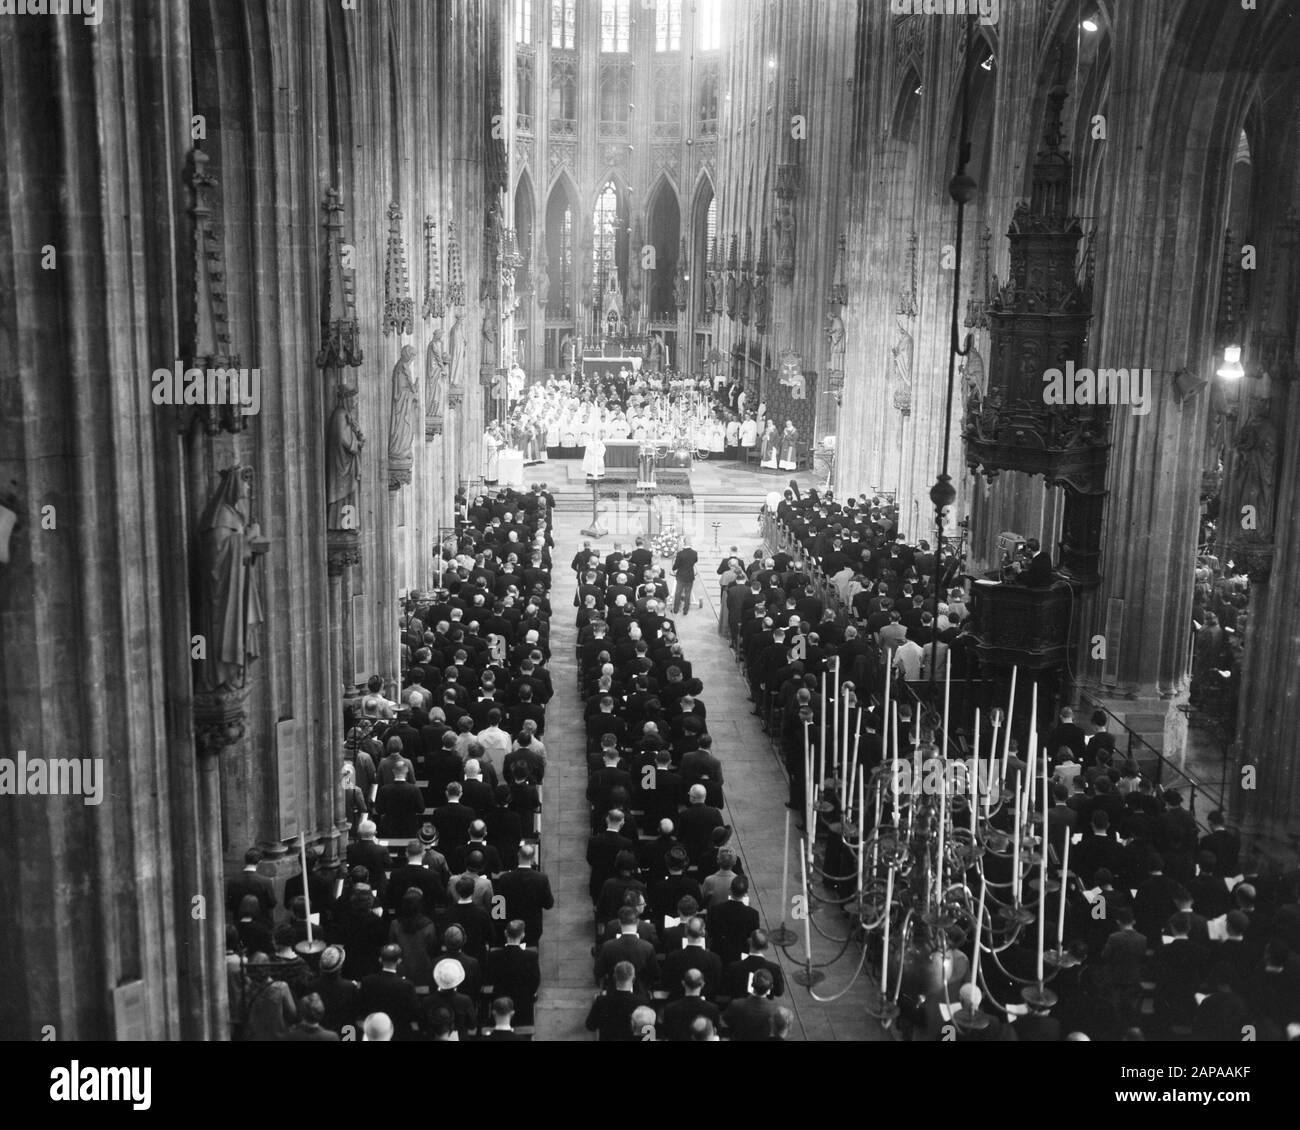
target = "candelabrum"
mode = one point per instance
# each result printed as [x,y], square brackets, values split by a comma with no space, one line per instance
[946,852]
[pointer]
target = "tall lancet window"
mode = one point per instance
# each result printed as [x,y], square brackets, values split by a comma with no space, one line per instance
[709,15]
[564,24]
[615,25]
[668,25]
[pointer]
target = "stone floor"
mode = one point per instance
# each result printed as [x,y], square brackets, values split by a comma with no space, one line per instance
[755,794]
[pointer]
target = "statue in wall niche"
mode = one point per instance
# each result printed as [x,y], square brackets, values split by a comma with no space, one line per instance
[744,294]
[435,377]
[541,279]
[760,305]
[972,380]
[229,601]
[405,419]
[343,444]
[1255,456]
[729,291]
[456,350]
[902,375]
[489,330]
[835,335]
[785,239]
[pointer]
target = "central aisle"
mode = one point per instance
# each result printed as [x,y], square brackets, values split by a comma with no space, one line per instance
[755,806]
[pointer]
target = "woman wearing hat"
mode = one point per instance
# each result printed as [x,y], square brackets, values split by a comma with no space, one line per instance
[414,932]
[354,801]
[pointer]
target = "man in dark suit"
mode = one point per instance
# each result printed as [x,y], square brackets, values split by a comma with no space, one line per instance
[249,882]
[1225,844]
[750,1018]
[527,893]
[731,923]
[603,849]
[475,792]
[681,1013]
[1068,733]
[611,1012]
[1153,902]
[513,971]
[374,857]
[389,992]
[736,982]
[413,873]
[503,1016]
[700,763]
[505,827]
[1178,969]
[470,917]
[453,818]
[1038,573]
[627,947]
[1121,957]
[696,823]
[692,954]
[1098,849]
[399,804]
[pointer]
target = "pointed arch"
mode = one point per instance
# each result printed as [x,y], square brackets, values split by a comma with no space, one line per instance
[664,233]
[563,221]
[703,228]
[525,209]
[608,232]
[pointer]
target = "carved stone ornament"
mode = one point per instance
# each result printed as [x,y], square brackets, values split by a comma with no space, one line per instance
[207,325]
[399,308]
[341,335]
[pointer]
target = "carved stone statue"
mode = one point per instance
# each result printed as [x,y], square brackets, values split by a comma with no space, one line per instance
[343,444]
[902,377]
[456,350]
[405,421]
[835,335]
[730,294]
[229,603]
[760,305]
[435,378]
[972,381]
[785,240]
[489,356]
[1255,469]
[541,279]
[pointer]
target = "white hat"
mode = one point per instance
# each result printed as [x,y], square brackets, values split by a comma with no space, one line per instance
[448,973]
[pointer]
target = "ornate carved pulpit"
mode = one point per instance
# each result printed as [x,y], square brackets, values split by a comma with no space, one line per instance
[1021,626]
[1039,322]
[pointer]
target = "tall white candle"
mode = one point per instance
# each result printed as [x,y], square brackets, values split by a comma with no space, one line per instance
[1011,713]
[808,783]
[897,817]
[306,886]
[807,903]
[1065,878]
[821,750]
[884,955]
[785,868]
[1042,877]
[834,752]
[947,688]
[1015,855]
[979,930]
[862,828]
[974,783]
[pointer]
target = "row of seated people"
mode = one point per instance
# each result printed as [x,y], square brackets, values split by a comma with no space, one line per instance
[679,951]
[442,874]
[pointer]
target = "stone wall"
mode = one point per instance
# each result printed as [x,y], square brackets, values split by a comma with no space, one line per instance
[121,922]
